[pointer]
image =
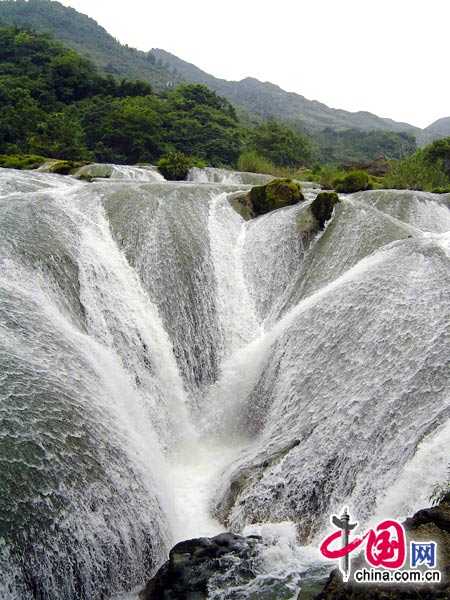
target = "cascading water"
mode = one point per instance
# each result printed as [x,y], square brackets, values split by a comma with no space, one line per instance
[168,370]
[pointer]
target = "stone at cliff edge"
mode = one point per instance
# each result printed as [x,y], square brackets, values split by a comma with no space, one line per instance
[93,171]
[313,219]
[61,167]
[431,524]
[192,564]
[262,199]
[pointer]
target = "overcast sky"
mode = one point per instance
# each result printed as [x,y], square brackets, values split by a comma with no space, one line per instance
[390,57]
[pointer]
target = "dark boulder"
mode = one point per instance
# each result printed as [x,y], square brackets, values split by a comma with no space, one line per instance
[262,199]
[323,206]
[193,563]
[312,219]
[275,194]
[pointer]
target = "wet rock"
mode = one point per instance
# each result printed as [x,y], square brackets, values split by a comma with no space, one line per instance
[262,199]
[313,219]
[242,205]
[276,194]
[93,171]
[323,206]
[428,524]
[193,563]
[61,167]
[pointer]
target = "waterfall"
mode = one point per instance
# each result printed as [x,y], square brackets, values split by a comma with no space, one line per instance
[168,370]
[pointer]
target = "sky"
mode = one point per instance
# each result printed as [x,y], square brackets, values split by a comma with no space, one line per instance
[389,57]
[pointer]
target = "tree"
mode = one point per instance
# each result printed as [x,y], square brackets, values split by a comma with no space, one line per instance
[60,135]
[279,144]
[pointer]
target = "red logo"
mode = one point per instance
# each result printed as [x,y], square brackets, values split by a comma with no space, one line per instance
[385,545]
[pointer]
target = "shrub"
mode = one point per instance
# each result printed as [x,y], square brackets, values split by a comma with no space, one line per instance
[175,166]
[279,144]
[252,162]
[424,170]
[441,190]
[326,175]
[354,181]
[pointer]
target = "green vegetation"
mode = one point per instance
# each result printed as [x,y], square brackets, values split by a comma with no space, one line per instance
[56,104]
[82,34]
[356,146]
[164,70]
[175,166]
[252,162]
[22,161]
[427,169]
[279,145]
[354,181]
[275,194]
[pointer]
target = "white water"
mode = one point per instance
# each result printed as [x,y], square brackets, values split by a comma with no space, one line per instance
[155,347]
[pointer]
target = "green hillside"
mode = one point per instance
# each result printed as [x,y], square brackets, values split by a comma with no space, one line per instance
[88,38]
[56,104]
[162,69]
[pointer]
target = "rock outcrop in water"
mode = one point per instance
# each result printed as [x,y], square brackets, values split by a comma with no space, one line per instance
[313,219]
[193,563]
[428,524]
[276,194]
[62,167]
[263,199]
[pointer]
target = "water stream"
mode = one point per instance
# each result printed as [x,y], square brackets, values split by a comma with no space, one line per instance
[168,371]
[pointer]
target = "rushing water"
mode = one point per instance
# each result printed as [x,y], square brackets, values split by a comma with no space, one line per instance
[168,370]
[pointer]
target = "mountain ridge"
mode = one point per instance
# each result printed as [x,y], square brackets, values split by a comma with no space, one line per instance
[255,99]
[288,106]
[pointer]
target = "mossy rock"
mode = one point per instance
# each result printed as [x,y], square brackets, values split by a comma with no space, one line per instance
[275,194]
[323,206]
[62,167]
[354,181]
[21,161]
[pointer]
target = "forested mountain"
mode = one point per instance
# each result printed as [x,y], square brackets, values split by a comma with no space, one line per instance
[162,69]
[56,104]
[88,38]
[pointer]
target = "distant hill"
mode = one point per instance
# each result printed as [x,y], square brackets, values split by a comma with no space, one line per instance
[88,38]
[163,69]
[437,130]
[269,100]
